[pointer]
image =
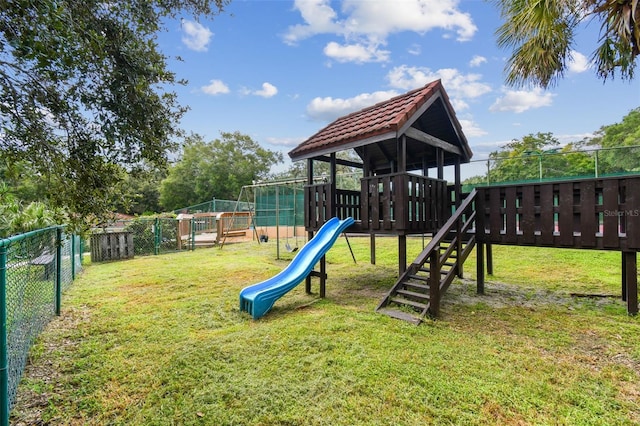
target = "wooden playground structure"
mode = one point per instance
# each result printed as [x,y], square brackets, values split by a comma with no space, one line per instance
[405,143]
[210,229]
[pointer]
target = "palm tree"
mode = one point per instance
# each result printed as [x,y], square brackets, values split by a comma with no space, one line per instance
[541,34]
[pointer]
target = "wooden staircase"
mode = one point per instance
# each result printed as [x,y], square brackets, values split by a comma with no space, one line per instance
[413,296]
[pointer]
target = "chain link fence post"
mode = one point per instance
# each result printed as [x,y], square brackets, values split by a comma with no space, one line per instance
[58,270]
[4,361]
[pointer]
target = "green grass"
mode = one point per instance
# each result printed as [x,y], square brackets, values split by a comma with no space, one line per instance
[160,341]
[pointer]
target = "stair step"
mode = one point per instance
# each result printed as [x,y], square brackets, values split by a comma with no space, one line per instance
[413,294]
[415,285]
[419,278]
[403,301]
[405,316]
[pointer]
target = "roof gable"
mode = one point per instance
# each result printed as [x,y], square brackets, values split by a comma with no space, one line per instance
[382,121]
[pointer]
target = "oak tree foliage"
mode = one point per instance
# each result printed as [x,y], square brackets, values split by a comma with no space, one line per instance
[85,93]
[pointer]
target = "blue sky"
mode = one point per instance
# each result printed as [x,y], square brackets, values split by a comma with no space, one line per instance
[279,71]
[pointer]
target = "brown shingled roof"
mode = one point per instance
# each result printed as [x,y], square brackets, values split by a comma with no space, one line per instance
[380,119]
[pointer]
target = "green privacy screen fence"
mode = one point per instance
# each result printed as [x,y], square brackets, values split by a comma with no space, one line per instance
[35,268]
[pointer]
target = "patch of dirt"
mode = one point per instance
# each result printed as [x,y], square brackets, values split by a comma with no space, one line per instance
[501,295]
[45,372]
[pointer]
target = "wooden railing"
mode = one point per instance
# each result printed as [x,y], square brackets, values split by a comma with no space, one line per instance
[403,202]
[398,202]
[592,213]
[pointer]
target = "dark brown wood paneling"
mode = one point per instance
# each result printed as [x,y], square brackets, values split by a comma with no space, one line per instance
[632,213]
[527,216]
[547,224]
[611,210]
[495,213]
[386,201]
[565,214]
[510,213]
[588,215]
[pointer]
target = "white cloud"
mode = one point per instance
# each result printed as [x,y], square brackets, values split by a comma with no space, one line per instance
[522,100]
[357,53]
[578,62]
[457,84]
[415,49]
[196,37]
[477,60]
[369,23]
[328,108]
[290,142]
[215,87]
[471,129]
[268,90]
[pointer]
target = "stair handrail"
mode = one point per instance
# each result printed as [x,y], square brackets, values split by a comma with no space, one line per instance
[425,255]
[446,228]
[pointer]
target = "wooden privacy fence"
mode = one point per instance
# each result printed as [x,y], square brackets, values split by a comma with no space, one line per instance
[601,214]
[112,246]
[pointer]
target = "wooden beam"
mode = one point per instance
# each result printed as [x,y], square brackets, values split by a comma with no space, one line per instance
[384,152]
[421,136]
[480,267]
[630,283]
[339,161]
[402,154]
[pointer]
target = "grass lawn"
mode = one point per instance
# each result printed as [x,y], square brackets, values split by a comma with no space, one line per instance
[160,340]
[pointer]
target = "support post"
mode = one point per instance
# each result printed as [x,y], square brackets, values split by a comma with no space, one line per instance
[58,270]
[193,233]
[624,276]
[372,243]
[434,283]
[480,267]
[4,362]
[402,254]
[323,276]
[489,259]
[156,236]
[307,281]
[630,270]
[73,257]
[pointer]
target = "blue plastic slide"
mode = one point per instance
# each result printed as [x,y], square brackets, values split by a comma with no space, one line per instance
[257,299]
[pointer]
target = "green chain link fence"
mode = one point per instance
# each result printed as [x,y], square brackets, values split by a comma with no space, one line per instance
[35,268]
[153,235]
[216,206]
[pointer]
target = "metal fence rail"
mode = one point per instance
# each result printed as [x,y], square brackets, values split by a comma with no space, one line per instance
[35,268]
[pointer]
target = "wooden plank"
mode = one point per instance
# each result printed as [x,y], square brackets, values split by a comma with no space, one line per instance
[386,200]
[495,215]
[632,212]
[375,203]
[400,202]
[510,213]
[630,264]
[364,201]
[527,215]
[565,214]
[480,214]
[421,136]
[546,214]
[611,207]
[588,215]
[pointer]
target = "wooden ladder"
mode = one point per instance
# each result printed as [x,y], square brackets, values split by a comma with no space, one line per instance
[413,296]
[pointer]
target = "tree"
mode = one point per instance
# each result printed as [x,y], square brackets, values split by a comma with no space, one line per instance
[537,156]
[83,89]
[142,192]
[16,218]
[620,143]
[215,169]
[541,34]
